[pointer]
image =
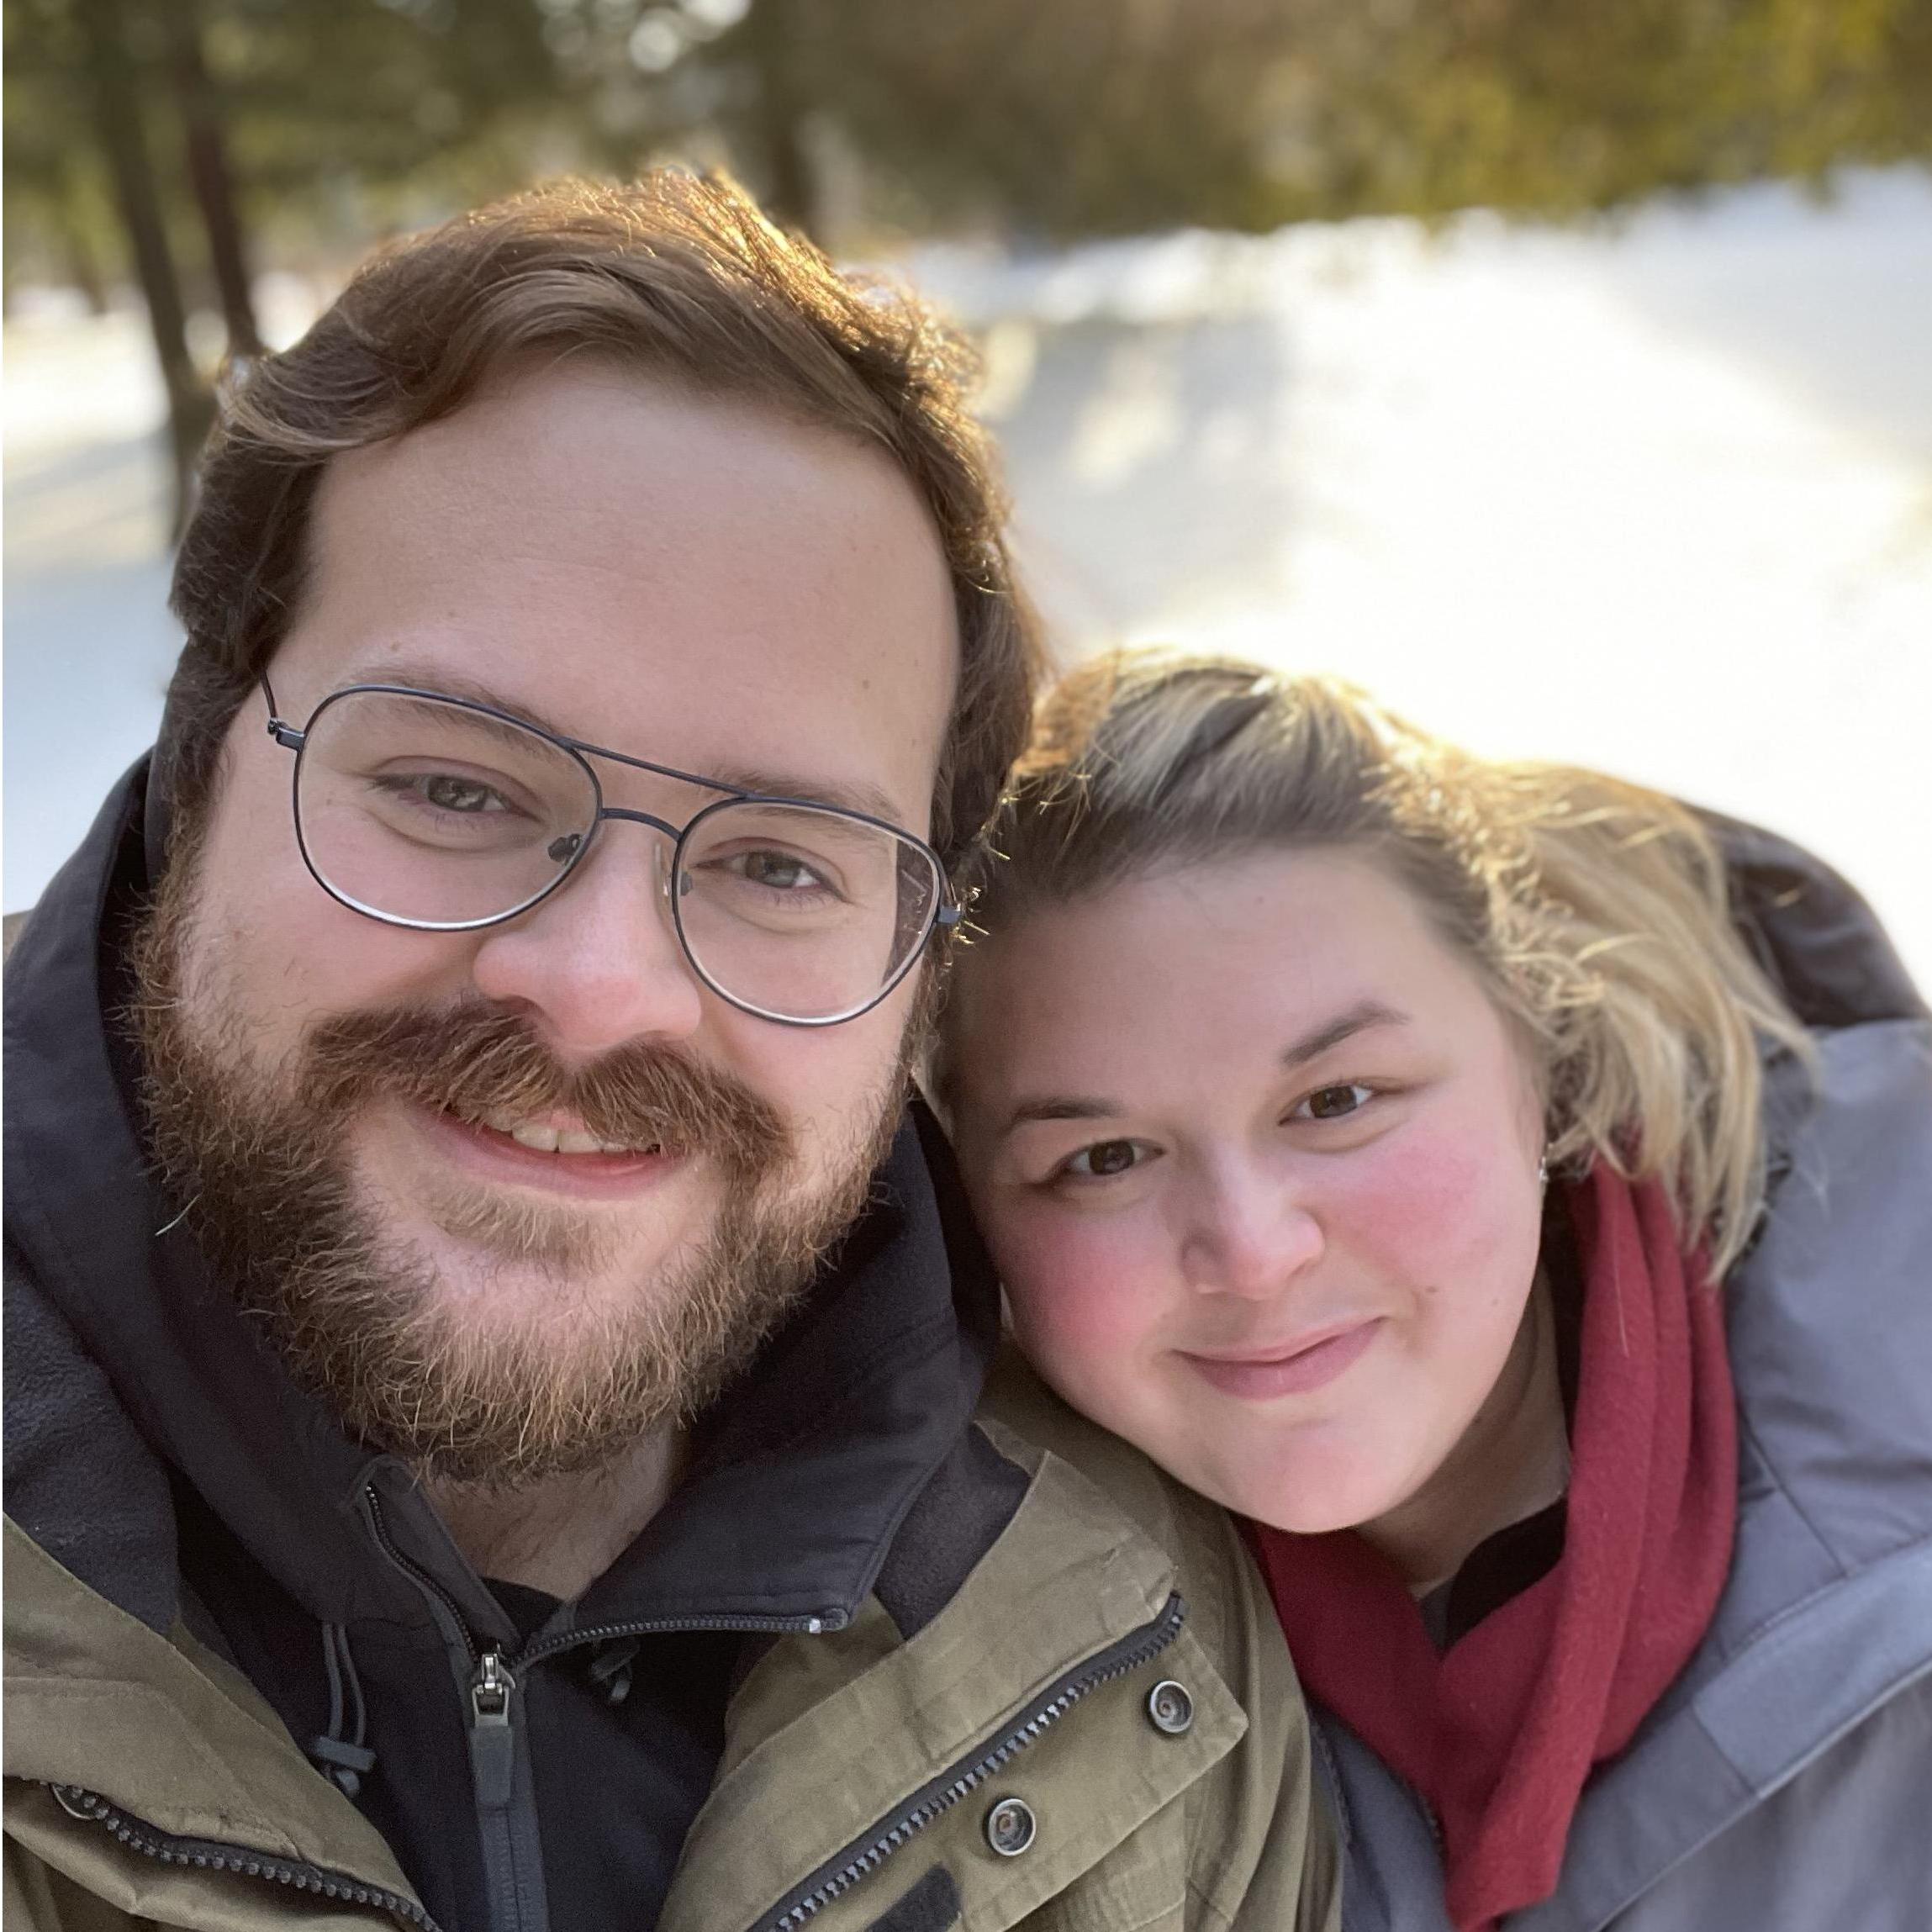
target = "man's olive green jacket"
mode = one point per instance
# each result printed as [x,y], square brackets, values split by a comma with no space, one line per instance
[1153,1770]
[875,1664]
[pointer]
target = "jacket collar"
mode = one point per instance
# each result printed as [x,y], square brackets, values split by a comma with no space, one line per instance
[804,1470]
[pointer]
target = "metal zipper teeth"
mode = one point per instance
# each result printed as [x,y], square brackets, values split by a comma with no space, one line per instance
[1129,1654]
[208,1855]
[537,1651]
[417,1576]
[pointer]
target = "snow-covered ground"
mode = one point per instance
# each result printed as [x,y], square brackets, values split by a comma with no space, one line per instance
[1656,498]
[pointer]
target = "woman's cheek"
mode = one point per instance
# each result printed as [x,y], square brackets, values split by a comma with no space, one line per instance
[1457,1223]
[1075,1284]
[1437,1203]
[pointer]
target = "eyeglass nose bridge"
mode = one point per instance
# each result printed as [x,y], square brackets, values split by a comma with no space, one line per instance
[570,848]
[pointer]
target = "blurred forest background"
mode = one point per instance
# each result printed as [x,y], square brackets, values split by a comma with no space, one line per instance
[1561,370]
[222,136]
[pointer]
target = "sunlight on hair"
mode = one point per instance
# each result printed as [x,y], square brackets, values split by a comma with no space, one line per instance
[1595,911]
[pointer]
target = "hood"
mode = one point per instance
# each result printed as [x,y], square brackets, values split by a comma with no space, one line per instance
[1820,943]
[127,1366]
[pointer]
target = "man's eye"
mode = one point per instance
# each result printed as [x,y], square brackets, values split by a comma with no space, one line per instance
[1335,1103]
[1104,1159]
[783,871]
[448,793]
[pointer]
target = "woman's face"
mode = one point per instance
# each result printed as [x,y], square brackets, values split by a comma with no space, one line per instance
[1257,1158]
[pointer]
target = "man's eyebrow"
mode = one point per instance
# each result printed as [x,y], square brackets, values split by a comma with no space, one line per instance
[439,681]
[1318,1040]
[856,796]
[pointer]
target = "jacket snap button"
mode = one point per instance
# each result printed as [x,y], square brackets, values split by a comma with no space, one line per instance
[1170,1708]
[1010,1826]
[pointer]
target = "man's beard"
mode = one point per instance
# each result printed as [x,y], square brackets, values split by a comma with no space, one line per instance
[364,1319]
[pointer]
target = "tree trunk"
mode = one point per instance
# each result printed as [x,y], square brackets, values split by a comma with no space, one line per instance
[77,244]
[772,39]
[118,124]
[208,172]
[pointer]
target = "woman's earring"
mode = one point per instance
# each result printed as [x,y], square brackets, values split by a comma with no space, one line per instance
[1543,1168]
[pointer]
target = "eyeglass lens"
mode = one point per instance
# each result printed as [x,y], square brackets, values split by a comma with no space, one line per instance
[424,812]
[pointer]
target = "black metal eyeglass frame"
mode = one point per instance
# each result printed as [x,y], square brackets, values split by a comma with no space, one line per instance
[944,915]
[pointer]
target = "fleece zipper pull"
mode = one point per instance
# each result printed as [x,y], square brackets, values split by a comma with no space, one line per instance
[492,1746]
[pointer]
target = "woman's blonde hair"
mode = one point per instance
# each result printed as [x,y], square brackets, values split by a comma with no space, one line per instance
[1594,911]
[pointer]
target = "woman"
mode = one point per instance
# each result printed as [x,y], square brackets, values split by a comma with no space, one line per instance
[1511,1194]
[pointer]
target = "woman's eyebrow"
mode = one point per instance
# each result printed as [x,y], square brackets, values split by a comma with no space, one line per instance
[1073,1107]
[1362,1014]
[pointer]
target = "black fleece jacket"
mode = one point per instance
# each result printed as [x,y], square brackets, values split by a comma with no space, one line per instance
[156,1448]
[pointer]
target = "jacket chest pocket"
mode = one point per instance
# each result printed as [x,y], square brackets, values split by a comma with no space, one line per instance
[1079,1822]
[1085,1829]
[1139,1886]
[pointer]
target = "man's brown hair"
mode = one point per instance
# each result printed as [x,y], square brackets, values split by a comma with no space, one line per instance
[678,276]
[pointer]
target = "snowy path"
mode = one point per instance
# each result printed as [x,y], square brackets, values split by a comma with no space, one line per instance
[1659,500]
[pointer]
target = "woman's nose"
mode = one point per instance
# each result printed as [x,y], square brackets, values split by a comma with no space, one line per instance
[1249,1235]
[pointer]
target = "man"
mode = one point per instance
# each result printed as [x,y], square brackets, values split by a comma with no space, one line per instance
[490,1360]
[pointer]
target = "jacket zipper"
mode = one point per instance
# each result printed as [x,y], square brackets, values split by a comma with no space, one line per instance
[492,1743]
[492,1688]
[542,1650]
[452,1616]
[210,1855]
[507,1831]
[863,1856]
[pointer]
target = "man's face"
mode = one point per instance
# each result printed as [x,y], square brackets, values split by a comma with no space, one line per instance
[690,582]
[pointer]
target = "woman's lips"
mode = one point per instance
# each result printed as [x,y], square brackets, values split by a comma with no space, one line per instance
[1291,1370]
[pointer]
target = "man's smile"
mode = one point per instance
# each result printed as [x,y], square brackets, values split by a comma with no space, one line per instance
[573,1162]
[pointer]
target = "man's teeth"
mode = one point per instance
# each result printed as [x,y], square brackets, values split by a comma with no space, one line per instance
[544,1138]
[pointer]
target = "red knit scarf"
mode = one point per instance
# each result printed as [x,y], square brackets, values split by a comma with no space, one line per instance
[1500,1731]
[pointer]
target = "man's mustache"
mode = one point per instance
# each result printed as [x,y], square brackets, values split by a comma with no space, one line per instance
[476,1060]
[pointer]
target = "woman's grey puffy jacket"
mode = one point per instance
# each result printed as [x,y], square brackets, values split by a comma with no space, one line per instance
[1785,1783]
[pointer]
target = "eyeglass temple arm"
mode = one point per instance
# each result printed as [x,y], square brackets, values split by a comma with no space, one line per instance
[284,734]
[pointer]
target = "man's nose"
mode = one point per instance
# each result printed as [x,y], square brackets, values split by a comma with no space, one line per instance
[598,962]
[1248,1234]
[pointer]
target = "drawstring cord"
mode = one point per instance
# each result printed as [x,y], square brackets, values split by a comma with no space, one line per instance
[611,1668]
[344,1760]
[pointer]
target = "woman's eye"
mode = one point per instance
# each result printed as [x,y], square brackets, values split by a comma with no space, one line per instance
[1335,1103]
[1104,1159]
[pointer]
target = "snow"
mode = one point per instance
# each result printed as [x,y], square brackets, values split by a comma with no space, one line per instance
[1655,496]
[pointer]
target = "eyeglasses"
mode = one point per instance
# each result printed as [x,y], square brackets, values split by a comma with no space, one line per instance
[446,815]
